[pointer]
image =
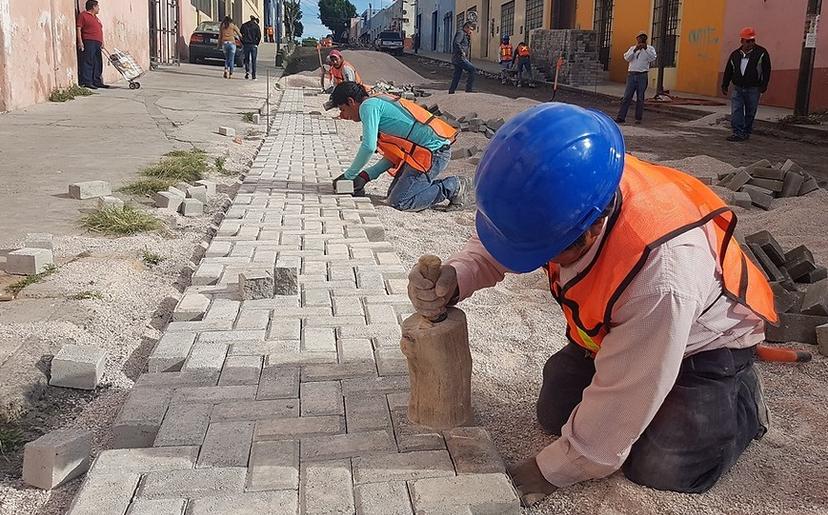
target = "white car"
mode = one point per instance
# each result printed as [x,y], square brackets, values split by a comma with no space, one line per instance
[389,41]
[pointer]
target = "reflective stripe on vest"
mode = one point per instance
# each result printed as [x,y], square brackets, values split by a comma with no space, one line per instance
[400,150]
[505,52]
[338,75]
[656,204]
[523,51]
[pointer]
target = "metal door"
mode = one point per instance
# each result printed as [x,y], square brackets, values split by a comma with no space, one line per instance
[603,26]
[164,32]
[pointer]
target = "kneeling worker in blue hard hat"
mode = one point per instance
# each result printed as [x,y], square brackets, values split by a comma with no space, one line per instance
[663,309]
[415,147]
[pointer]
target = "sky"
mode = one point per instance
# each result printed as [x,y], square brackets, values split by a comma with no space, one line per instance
[310,15]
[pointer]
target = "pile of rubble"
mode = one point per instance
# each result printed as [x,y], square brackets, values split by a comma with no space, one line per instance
[800,290]
[758,184]
[407,91]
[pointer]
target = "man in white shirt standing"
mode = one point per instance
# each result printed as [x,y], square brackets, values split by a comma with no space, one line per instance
[639,56]
[663,310]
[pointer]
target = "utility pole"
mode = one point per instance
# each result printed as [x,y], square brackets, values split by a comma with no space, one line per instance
[662,46]
[278,31]
[806,62]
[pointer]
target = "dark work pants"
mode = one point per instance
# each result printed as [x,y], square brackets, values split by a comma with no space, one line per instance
[251,54]
[701,429]
[459,67]
[743,105]
[636,85]
[91,64]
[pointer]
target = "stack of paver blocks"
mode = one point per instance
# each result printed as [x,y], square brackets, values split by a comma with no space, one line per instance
[579,49]
[297,401]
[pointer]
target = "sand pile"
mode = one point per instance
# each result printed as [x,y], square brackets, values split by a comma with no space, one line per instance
[485,105]
[376,66]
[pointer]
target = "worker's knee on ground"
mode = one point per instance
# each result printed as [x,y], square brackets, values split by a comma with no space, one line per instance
[403,203]
[651,466]
[550,419]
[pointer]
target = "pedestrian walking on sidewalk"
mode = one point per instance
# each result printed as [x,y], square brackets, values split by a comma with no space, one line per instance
[749,68]
[640,56]
[461,53]
[663,310]
[251,36]
[416,42]
[415,147]
[90,43]
[228,35]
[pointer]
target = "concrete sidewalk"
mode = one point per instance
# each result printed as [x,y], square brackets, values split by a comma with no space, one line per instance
[110,136]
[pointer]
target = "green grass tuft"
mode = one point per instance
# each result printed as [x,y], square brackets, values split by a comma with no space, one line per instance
[218,163]
[18,286]
[248,117]
[179,165]
[64,95]
[87,295]
[120,221]
[147,186]
[151,258]
[11,438]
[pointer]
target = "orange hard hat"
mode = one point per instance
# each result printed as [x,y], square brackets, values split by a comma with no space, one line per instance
[747,33]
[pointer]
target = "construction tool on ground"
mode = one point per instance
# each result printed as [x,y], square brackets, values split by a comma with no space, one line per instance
[782,354]
[558,65]
[439,363]
[321,66]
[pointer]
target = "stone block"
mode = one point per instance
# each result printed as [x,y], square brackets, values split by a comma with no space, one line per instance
[157,507]
[255,410]
[209,185]
[326,487]
[281,502]
[481,493]
[822,338]
[390,498]
[256,284]
[817,274]
[227,444]
[285,281]
[206,356]
[385,384]
[815,301]
[184,424]
[197,192]
[140,417]
[790,166]
[110,202]
[214,394]
[391,361]
[294,428]
[39,240]
[739,179]
[278,382]
[321,339]
[322,398]
[105,493]
[768,243]
[141,461]
[473,451]
[347,445]
[89,189]
[56,457]
[179,189]
[192,306]
[766,172]
[742,199]
[799,262]
[273,466]
[795,328]
[792,184]
[413,437]
[808,186]
[770,184]
[785,301]
[760,197]
[344,186]
[167,200]
[402,466]
[170,352]
[772,272]
[227,131]
[762,163]
[240,370]
[191,207]
[192,484]
[367,412]
[78,366]
[28,261]
[256,118]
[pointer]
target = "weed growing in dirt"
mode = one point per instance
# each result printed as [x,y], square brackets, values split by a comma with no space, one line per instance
[151,258]
[64,95]
[11,438]
[248,117]
[17,287]
[147,186]
[179,165]
[87,295]
[218,163]
[120,221]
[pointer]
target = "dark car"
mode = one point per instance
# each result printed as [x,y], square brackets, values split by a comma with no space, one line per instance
[389,41]
[204,44]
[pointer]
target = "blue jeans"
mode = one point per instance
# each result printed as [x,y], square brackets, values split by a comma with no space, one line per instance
[524,65]
[251,53]
[412,190]
[636,83]
[91,64]
[459,68]
[743,105]
[229,55]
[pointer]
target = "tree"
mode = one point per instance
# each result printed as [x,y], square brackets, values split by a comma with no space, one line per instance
[293,13]
[336,15]
[298,28]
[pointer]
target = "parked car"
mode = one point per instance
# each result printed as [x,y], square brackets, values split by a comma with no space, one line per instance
[389,41]
[204,44]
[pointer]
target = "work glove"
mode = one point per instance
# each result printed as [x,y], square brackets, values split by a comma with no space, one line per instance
[430,299]
[529,482]
[359,184]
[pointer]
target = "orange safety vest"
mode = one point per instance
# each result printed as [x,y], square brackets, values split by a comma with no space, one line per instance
[400,150]
[523,51]
[656,204]
[505,52]
[338,77]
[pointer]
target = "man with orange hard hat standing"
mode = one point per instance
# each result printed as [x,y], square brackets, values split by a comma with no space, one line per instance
[663,310]
[749,68]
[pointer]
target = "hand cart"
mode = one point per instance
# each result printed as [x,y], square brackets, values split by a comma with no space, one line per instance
[127,66]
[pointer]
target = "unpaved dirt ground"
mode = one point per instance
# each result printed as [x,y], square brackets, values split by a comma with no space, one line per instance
[515,326]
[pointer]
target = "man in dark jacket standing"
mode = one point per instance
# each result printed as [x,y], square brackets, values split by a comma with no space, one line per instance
[461,53]
[749,68]
[251,35]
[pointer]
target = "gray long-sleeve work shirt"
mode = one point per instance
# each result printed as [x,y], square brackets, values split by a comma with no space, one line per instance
[461,47]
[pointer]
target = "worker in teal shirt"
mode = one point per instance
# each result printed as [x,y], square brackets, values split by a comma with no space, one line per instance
[413,151]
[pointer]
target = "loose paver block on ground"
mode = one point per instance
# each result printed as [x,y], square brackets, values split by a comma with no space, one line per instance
[293,402]
[89,189]
[28,261]
[78,366]
[56,457]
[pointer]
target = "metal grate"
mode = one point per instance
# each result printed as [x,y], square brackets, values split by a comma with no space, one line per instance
[603,26]
[507,19]
[163,32]
[669,54]
[461,19]
[534,16]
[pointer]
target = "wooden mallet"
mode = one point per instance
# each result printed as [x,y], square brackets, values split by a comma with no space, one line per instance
[439,363]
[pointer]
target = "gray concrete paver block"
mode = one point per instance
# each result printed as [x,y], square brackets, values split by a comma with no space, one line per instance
[473,451]
[143,460]
[89,189]
[157,507]
[168,200]
[326,487]
[28,261]
[365,412]
[321,398]
[206,356]
[192,484]
[240,370]
[294,428]
[279,502]
[140,417]
[390,498]
[184,424]
[214,394]
[197,192]
[192,306]
[403,466]
[255,410]
[39,240]
[170,352]
[227,444]
[285,281]
[104,493]
[274,465]
[56,457]
[256,284]
[413,437]
[346,445]
[482,493]
[278,382]
[78,366]
[191,207]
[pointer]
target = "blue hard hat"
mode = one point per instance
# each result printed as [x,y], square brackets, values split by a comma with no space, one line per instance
[544,179]
[505,38]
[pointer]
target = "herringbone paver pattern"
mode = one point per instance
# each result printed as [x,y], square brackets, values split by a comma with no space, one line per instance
[296,403]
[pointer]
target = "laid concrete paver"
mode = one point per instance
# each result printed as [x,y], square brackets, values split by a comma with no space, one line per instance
[299,400]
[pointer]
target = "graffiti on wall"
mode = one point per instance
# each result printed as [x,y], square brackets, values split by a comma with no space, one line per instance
[704,42]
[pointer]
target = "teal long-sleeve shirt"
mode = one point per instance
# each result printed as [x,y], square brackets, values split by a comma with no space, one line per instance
[380,115]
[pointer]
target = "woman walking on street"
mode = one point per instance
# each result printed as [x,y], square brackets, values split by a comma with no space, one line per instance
[228,33]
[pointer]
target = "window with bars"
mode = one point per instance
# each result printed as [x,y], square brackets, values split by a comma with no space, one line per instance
[668,54]
[534,16]
[507,19]
[603,27]
[461,19]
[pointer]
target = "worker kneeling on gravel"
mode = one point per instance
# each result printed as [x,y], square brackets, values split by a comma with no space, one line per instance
[339,70]
[663,309]
[415,147]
